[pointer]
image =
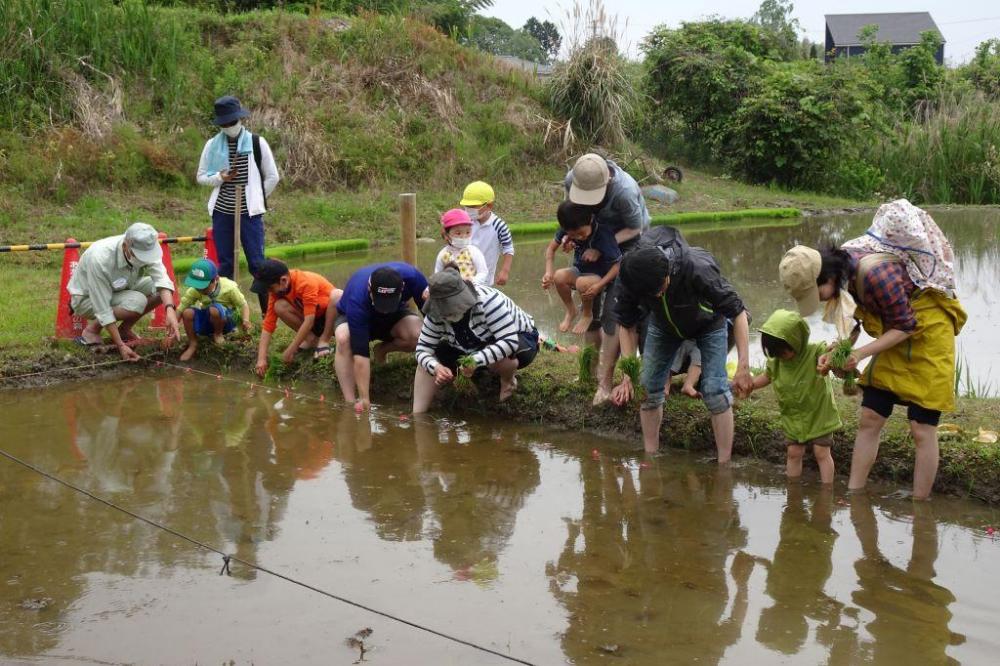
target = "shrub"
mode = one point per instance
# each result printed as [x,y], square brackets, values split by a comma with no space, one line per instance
[593,90]
[800,124]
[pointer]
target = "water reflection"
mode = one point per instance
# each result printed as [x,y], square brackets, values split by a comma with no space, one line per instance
[911,611]
[647,570]
[666,560]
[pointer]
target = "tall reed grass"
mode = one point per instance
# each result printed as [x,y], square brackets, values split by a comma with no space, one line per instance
[593,89]
[44,42]
[951,154]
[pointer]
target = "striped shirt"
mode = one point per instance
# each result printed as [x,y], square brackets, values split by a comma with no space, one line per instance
[227,192]
[493,238]
[494,319]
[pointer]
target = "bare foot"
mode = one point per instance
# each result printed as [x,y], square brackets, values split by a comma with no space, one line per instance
[567,321]
[507,390]
[188,353]
[584,324]
[91,338]
[691,392]
[601,396]
[219,339]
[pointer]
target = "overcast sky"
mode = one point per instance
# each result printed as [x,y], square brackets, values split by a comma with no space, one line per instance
[964,23]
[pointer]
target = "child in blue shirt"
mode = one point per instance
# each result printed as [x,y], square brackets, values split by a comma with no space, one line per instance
[596,258]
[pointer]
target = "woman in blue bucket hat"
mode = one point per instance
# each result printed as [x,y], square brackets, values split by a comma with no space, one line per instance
[236,157]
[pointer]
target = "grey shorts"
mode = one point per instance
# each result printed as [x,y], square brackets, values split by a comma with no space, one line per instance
[133,300]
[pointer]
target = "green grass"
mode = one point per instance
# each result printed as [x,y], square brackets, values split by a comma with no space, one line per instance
[292,252]
[951,156]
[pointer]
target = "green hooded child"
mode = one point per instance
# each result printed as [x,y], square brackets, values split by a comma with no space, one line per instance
[805,398]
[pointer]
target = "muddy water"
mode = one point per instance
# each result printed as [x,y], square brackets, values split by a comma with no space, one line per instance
[749,254]
[554,547]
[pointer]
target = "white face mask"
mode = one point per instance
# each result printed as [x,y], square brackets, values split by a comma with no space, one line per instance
[472,213]
[234,131]
[461,242]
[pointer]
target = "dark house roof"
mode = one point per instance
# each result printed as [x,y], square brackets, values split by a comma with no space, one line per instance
[901,28]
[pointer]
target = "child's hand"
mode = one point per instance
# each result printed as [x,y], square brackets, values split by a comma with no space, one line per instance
[289,354]
[261,368]
[247,326]
[568,245]
[502,277]
[593,291]
[590,255]
[823,366]
[442,375]
[469,370]
[547,280]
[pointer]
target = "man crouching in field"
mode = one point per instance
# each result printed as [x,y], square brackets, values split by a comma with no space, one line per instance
[121,279]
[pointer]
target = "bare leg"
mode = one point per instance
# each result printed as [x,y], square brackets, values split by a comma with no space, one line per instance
[606,367]
[824,460]
[129,318]
[865,447]
[293,319]
[690,388]
[506,369]
[586,304]
[651,420]
[424,389]
[926,459]
[343,363]
[793,460]
[565,279]
[404,339]
[217,325]
[722,428]
[188,318]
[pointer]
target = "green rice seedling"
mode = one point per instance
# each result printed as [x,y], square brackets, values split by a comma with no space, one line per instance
[838,359]
[463,383]
[631,367]
[587,360]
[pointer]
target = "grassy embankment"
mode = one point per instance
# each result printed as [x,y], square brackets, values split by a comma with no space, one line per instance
[99,132]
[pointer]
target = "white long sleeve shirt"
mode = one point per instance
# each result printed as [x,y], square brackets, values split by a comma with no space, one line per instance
[254,194]
[103,270]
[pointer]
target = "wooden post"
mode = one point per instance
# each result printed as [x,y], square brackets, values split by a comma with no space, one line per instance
[408,227]
[236,233]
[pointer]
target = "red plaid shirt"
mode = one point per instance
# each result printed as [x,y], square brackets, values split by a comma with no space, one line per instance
[887,292]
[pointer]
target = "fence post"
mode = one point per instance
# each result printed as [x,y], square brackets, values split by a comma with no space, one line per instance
[236,233]
[408,227]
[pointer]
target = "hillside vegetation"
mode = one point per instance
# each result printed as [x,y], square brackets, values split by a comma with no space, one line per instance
[100,94]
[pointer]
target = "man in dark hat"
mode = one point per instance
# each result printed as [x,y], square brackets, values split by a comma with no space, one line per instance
[236,157]
[375,307]
[686,298]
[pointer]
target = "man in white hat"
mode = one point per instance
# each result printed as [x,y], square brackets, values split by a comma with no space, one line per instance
[121,279]
[616,201]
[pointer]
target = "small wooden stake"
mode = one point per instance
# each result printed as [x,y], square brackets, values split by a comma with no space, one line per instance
[408,227]
[236,233]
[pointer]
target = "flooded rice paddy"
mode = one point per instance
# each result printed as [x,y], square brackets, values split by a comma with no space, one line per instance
[748,255]
[553,547]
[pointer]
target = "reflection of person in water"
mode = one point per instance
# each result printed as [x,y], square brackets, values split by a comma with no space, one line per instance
[381,478]
[798,574]
[651,572]
[474,493]
[910,610]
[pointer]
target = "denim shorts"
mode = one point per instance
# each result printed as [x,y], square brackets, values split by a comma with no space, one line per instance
[658,357]
[203,319]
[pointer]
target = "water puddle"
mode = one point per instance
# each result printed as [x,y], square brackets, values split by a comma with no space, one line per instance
[553,547]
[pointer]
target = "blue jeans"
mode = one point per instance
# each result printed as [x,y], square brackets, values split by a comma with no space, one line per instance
[658,357]
[251,238]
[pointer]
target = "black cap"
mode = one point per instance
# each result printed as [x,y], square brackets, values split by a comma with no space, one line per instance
[267,274]
[386,289]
